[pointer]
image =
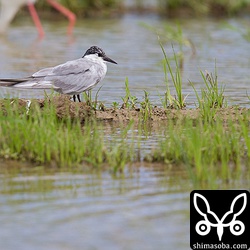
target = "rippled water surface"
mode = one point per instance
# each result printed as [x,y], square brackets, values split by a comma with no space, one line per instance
[143,209]
[146,207]
[137,52]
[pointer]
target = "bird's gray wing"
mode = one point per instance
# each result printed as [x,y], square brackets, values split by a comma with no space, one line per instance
[47,78]
[43,72]
[34,81]
[72,77]
[76,76]
[72,67]
[26,82]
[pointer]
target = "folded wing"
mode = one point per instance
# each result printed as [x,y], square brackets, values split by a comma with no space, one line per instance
[72,77]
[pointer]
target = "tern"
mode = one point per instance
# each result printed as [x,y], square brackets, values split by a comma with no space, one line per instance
[71,78]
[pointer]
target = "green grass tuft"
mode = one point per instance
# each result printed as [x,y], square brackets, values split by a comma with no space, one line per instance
[170,101]
[41,137]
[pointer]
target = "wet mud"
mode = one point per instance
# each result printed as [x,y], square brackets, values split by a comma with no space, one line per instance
[65,107]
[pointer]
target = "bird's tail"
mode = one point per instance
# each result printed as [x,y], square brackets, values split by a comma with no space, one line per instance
[11,82]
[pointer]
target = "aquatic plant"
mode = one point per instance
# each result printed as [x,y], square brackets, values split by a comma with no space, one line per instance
[41,137]
[87,96]
[207,150]
[122,149]
[115,105]
[178,101]
[129,101]
[146,107]
[212,96]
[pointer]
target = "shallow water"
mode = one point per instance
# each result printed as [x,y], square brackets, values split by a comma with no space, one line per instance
[143,209]
[147,207]
[137,52]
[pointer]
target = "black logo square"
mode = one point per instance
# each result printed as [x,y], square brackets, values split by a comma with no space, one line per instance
[220,219]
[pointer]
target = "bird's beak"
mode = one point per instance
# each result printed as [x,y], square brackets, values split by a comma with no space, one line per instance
[107,59]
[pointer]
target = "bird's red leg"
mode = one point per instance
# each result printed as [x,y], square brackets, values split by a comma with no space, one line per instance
[70,15]
[36,19]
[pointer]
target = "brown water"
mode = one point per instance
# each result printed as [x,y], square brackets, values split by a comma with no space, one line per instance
[146,207]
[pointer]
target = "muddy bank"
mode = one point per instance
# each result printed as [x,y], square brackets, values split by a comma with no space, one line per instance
[65,107]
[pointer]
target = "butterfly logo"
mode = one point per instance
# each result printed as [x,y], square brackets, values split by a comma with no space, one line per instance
[203,227]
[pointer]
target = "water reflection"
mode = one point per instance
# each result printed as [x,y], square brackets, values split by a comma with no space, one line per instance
[137,52]
[92,211]
[146,207]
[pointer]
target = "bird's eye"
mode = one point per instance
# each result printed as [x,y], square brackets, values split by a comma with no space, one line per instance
[100,54]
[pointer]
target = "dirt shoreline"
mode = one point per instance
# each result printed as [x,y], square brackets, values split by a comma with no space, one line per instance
[65,107]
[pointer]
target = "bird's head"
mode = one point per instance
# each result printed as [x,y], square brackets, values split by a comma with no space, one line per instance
[94,50]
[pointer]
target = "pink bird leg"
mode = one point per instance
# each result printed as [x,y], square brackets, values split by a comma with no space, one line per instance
[70,15]
[36,19]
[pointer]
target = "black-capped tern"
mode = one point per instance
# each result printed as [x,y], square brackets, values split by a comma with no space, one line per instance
[71,78]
